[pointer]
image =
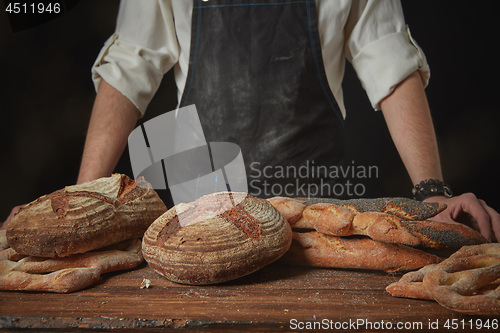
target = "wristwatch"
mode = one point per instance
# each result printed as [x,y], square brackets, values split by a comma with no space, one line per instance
[431,188]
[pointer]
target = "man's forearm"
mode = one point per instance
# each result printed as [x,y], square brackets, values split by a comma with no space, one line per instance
[113,118]
[408,118]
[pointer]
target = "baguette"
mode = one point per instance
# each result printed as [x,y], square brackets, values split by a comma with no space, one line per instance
[290,208]
[392,220]
[320,250]
[443,236]
[403,208]
[338,220]
[383,227]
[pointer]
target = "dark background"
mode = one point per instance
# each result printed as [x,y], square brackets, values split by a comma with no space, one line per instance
[46,95]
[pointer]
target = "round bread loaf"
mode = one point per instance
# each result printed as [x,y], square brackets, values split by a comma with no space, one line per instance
[217,238]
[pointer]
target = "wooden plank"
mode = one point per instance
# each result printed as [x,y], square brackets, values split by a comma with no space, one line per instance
[268,299]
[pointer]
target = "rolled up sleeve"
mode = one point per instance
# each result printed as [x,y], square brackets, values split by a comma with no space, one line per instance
[381,49]
[137,56]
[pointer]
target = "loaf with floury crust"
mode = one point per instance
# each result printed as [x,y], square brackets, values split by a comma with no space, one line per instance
[84,217]
[217,238]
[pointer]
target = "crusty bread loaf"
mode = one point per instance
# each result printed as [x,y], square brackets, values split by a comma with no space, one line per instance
[403,208]
[391,220]
[446,236]
[215,239]
[467,282]
[382,227]
[410,285]
[330,219]
[3,240]
[290,208]
[336,220]
[320,250]
[68,274]
[80,218]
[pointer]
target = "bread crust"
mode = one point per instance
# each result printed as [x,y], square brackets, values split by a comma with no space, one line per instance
[68,274]
[467,282]
[445,236]
[391,220]
[84,217]
[290,208]
[319,250]
[211,240]
[340,220]
[403,208]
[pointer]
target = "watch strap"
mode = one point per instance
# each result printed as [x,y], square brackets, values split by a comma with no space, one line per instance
[431,188]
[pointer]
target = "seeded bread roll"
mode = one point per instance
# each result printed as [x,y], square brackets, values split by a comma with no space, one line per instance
[406,209]
[80,218]
[217,238]
[391,220]
[445,236]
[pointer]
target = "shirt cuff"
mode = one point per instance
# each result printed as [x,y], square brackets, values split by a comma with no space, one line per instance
[383,64]
[126,68]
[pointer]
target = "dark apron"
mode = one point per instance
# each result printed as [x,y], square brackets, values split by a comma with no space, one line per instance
[257,78]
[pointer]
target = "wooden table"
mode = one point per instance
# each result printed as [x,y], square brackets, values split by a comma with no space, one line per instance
[276,298]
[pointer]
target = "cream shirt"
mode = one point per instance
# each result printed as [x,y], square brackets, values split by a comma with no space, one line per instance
[152,36]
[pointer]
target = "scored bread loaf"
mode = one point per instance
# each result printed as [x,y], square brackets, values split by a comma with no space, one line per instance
[84,217]
[217,238]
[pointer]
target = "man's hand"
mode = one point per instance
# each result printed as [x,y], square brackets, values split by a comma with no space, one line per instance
[408,118]
[470,210]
